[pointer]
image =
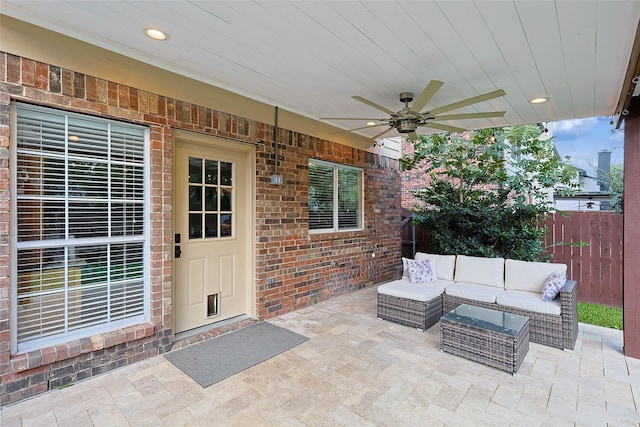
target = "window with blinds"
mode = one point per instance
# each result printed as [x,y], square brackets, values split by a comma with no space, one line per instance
[335,197]
[80,186]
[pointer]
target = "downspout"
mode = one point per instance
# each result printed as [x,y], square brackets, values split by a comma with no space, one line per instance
[275,178]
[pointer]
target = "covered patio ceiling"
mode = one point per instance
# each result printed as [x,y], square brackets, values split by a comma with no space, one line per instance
[311,57]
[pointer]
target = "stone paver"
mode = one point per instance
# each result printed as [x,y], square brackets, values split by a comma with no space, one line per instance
[359,371]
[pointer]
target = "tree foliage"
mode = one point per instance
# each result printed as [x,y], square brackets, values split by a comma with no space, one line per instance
[615,179]
[488,190]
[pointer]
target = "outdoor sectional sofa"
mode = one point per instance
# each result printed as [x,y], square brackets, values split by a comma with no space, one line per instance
[510,286]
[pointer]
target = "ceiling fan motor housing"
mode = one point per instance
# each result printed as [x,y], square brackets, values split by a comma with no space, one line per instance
[406,125]
[406,97]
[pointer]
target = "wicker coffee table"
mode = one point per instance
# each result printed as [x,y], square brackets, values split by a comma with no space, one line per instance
[491,337]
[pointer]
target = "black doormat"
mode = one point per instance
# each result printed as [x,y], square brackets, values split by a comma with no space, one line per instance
[218,358]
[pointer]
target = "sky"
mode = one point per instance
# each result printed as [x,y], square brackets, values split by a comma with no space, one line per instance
[582,139]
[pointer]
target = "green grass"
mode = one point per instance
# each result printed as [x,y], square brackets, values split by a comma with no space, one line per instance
[593,314]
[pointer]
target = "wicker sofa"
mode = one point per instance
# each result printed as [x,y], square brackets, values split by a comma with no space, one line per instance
[506,285]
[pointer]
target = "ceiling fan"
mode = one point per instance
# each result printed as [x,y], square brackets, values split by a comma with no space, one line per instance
[407,120]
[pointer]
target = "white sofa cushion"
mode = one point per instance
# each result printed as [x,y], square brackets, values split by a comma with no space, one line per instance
[528,275]
[481,271]
[474,291]
[531,301]
[445,264]
[403,288]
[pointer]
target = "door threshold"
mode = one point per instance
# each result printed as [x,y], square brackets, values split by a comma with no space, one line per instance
[206,328]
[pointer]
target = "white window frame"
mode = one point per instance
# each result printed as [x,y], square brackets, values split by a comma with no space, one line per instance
[360,215]
[142,238]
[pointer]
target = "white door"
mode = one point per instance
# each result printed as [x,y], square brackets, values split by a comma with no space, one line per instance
[213,226]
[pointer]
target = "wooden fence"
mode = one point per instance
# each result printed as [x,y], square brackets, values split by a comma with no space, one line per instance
[596,267]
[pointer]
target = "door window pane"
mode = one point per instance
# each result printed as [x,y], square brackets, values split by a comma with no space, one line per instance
[195,170]
[195,198]
[211,225]
[217,190]
[211,198]
[225,199]
[211,171]
[226,173]
[195,226]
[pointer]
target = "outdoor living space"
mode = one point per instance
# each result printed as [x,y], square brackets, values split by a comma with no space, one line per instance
[357,370]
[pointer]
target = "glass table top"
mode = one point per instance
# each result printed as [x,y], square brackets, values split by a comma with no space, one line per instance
[493,320]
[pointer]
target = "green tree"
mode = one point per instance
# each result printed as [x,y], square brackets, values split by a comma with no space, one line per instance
[488,190]
[615,179]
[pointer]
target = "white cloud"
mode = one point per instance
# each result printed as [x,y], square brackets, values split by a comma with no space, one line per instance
[575,126]
[617,136]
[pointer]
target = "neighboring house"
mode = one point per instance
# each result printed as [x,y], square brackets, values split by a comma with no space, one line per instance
[135,214]
[594,192]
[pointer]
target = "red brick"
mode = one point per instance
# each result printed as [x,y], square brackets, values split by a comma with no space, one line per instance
[91,87]
[3,63]
[112,94]
[28,72]
[67,82]
[13,69]
[133,99]
[62,352]
[55,79]
[48,355]
[79,85]
[123,96]
[102,91]
[19,362]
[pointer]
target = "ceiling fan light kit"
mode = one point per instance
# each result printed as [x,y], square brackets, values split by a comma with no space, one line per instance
[407,120]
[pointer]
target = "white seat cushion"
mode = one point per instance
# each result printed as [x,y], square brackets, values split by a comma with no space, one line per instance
[528,276]
[403,288]
[479,270]
[473,291]
[531,301]
[445,264]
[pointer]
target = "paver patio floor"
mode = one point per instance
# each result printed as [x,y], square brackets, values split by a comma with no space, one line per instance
[359,371]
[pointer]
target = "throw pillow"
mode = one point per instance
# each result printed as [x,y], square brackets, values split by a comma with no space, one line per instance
[405,271]
[422,271]
[552,286]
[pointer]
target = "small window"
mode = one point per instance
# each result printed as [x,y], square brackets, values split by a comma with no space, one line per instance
[335,197]
[80,215]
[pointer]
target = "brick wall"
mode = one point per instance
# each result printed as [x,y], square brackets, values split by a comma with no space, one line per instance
[304,268]
[414,179]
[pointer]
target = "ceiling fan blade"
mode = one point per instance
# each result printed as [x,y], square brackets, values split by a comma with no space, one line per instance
[470,116]
[469,101]
[445,128]
[426,95]
[382,133]
[364,127]
[374,105]
[353,118]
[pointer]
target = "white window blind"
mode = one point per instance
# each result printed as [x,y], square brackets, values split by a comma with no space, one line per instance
[80,219]
[335,197]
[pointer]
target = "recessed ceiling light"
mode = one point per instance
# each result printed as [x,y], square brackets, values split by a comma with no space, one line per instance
[371,123]
[538,100]
[156,34]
